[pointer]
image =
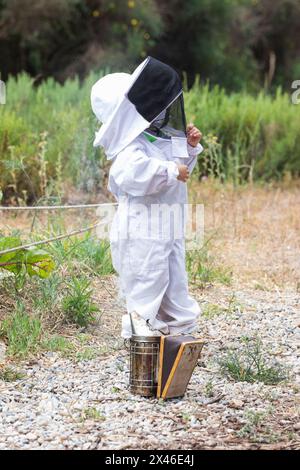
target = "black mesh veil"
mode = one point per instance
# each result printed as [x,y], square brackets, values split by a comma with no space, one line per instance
[171,122]
[158,97]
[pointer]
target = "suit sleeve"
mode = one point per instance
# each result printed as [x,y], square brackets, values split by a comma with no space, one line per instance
[193,154]
[139,175]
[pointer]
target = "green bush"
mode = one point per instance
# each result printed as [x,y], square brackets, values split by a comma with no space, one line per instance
[63,37]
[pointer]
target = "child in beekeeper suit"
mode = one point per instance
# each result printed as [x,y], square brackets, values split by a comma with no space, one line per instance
[153,152]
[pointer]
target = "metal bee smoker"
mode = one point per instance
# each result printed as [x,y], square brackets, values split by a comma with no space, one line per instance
[144,363]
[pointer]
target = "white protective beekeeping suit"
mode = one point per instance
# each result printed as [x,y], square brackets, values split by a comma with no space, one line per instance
[143,133]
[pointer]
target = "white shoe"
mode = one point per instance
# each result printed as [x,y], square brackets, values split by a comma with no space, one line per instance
[142,327]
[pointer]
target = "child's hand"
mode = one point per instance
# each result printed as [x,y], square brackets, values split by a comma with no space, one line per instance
[193,135]
[183,173]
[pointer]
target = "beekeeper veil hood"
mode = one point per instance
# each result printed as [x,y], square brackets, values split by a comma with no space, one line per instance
[151,98]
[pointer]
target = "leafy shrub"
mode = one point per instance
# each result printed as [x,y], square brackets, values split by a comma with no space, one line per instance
[30,261]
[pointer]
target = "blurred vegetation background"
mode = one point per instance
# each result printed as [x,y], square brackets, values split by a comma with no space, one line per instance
[235,43]
[237,58]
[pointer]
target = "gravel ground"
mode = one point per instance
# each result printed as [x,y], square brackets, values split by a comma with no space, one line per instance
[66,404]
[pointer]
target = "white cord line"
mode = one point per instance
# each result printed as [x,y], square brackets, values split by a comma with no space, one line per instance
[49,240]
[50,208]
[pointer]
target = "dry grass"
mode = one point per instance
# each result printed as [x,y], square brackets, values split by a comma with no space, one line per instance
[255,230]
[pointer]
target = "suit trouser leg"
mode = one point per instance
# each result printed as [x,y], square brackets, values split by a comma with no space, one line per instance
[178,309]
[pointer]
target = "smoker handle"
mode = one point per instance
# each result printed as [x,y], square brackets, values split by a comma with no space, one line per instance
[132,325]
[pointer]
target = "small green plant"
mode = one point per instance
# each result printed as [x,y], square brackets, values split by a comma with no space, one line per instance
[84,254]
[58,343]
[209,389]
[7,374]
[77,304]
[250,364]
[83,338]
[21,332]
[255,428]
[95,254]
[91,414]
[90,353]
[234,306]
[185,417]
[47,292]
[203,269]
[210,311]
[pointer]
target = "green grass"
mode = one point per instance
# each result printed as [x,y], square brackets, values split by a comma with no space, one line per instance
[246,136]
[210,311]
[83,254]
[57,343]
[47,293]
[203,268]
[91,413]
[251,364]
[46,136]
[96,255]
[77,303]
[21,332]
[64,297]
[7,374]
[74,348]
[90,352]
